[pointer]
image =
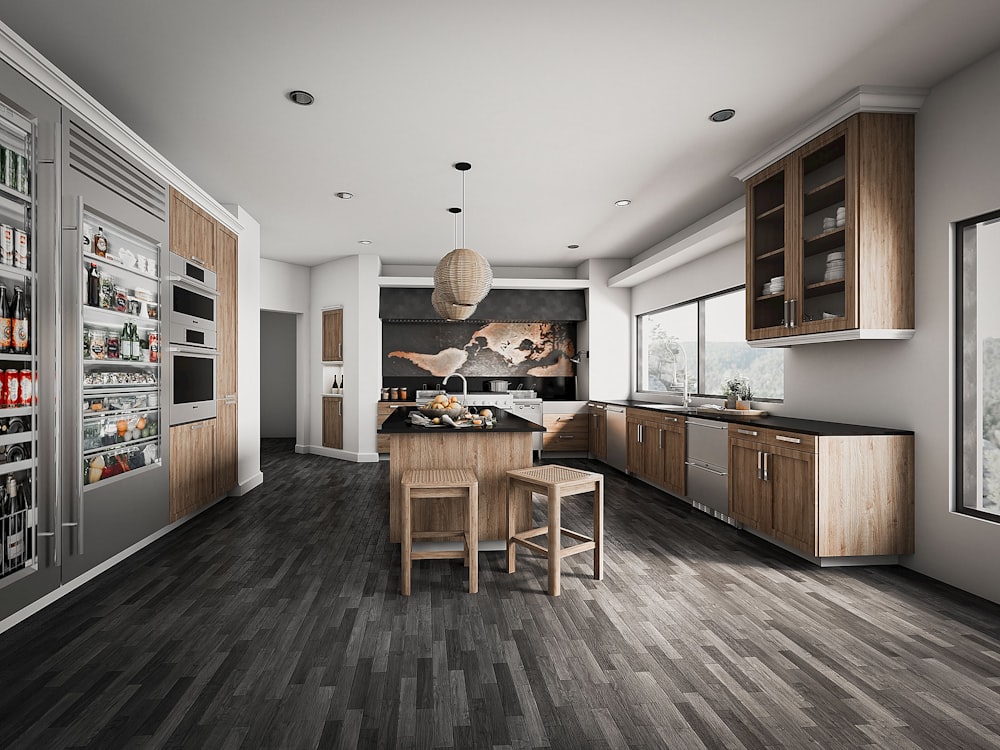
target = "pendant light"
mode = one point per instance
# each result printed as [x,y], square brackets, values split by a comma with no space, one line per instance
[463,277]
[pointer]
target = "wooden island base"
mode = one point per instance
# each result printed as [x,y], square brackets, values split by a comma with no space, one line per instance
[488,453]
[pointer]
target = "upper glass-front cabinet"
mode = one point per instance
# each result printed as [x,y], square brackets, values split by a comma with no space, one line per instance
[830,237]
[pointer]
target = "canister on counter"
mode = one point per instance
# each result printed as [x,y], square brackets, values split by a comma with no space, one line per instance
[6,245]
[394,394]
[11,381]
[402,394]
[25,388]
[20,249]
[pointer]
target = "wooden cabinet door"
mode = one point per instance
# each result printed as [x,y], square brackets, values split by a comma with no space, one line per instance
[333,335]
[226,312]
[192,231]
[226,447]
[192,467]
[333,423]
[792,479]
[672,457]
[635,461]
[598,437]
[749,494]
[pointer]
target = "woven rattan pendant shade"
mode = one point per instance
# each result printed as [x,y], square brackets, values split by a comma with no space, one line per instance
[450,310]
[463,276]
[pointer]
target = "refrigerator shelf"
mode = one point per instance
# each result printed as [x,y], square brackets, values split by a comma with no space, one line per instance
[14,438]
[87,488]
[17,274]
[16,411]
[25,465]
[118,266]
[15,195]
[102,316]
[115,448]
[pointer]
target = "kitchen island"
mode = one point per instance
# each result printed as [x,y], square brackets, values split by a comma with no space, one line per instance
[489,451]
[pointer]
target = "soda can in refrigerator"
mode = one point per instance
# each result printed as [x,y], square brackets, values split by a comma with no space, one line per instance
[6,245]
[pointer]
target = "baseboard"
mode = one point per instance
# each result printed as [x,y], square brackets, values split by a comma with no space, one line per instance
[359,458]
[53,596]
[244,487]
[299,448]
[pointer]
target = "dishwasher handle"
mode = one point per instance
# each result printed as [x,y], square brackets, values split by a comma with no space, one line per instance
[705,468]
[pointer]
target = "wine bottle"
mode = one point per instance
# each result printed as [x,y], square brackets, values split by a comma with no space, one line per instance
[5,324]
[125,343]
[14,507]
[93,286]
[19,323]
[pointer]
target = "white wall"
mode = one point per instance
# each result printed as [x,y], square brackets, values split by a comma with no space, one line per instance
[248,351]
[277,375]
[285,287]
[352,283]
[604,334]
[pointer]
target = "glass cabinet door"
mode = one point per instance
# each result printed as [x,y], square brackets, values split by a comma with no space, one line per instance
[767,261]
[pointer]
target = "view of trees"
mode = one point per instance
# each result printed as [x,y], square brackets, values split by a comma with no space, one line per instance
[990,388]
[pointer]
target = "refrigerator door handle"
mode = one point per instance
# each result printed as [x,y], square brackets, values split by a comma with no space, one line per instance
[73,223]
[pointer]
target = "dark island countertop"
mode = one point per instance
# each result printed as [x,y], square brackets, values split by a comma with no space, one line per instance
[398,423]
[805,426]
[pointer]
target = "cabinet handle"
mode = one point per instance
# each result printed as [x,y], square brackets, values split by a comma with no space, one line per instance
[760,475]
[766,457]
[785,311]
[198,260]
[198,426]
[786,439]
[340,408]
[670,419]
[340,351]
[638,430]
[747,432]
[565,437]
[564,419]
[659,439]
[791,318]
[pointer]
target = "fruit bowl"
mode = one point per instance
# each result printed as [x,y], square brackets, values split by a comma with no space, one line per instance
[453,410]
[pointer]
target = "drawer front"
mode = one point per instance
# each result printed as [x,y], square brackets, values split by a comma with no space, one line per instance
[566,440]
[794,440]
[567,422]
[748,432]
[674,422]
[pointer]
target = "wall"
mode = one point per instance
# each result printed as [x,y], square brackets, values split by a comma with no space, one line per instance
[604,335]
[351,282]
[248,351]
[277,375]
[285,287]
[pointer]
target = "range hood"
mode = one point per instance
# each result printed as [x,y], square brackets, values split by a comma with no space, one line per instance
[500,305]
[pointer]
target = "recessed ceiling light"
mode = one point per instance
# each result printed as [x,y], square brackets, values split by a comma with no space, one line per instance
[722,115]
[301,97]
[623,202]
[344,196]
[364,242]
[572,247]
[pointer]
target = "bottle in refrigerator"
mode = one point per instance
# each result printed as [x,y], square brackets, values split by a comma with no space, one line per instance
[136,344]
[93,286]
[100,243]
[6,326]
[14,512]
[125,343]
[19,342]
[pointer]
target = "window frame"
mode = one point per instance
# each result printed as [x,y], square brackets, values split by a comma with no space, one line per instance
[700,363]
[961,461]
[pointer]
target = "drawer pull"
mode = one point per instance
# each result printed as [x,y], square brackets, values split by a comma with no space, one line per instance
[671,419]
[786,439]
[747,432]
[566,437]
[565,419]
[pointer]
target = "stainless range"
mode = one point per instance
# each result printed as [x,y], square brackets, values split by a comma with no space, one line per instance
[478,399]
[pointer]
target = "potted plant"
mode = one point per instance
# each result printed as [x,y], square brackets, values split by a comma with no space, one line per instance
[738,393]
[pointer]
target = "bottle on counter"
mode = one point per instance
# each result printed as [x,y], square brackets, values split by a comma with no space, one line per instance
[93,286]
[6,326]
[19,342]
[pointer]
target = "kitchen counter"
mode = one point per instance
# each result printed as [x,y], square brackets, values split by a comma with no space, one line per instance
[490,452]
[805,426]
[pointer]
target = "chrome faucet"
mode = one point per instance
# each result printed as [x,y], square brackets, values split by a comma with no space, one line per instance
[687,393]
[465,385]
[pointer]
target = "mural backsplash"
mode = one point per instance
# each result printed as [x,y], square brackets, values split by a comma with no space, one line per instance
[479,349]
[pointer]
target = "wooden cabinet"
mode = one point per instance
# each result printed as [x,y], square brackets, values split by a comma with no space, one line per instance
[598,432]
[826,496]
[192,467]
[656,448]
[333,335]
[385,408]
[226,447]
[830,237]
[566,432]
[192,231]
[226,433]
[333,422]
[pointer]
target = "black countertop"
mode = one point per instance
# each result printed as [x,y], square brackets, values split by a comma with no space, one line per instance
[398,423]
[805,426]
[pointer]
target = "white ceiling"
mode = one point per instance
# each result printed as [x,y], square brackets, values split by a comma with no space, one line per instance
[562,106]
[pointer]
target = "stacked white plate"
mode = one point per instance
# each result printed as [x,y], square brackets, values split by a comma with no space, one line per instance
[834,266]
[775,285]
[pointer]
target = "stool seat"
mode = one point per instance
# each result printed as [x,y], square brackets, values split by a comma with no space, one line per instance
[556,482]
[459,484]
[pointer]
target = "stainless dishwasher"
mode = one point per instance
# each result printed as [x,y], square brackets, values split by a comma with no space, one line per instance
[708,464]
[617,445]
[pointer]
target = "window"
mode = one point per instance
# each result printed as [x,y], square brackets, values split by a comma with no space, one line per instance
[977,338]
[711,331]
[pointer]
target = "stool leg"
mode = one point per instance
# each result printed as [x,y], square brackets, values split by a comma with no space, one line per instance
[599,530]
[511,527]
[473,538]
[555,537]
[407,544]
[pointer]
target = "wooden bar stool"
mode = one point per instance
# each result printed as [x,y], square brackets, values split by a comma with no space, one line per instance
[441,483]
[556,482]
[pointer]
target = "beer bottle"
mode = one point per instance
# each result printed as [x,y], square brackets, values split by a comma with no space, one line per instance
[5,324]
[19,323]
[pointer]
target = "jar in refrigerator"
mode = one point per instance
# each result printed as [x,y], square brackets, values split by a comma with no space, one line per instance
[20,249]
[154,346]
[98,344]
[11,381]
[107,291]
[8,165]
[121,300]
[25,388]
[113,346]
[19,336]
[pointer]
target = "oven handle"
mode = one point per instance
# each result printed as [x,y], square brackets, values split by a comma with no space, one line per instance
[194,350]
[193,286]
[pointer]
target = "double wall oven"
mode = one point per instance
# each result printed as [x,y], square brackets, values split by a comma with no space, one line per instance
[192,343]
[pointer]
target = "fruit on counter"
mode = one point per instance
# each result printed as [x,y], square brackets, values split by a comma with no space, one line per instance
[486,413]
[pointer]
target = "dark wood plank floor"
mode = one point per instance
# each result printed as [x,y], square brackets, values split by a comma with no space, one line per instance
[274,621]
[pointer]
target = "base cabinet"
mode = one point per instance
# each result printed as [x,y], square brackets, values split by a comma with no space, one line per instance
[598,431]
[226,447]
[826,496]
[656,448]
[192,467]
[333,422]
[566,432]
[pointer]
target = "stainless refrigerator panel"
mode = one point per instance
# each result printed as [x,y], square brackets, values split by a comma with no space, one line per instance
[708,485]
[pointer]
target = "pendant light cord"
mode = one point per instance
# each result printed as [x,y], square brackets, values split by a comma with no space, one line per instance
[463,208]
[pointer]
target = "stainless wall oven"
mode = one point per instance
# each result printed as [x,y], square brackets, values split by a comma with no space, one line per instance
[192,393]
[193,296]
